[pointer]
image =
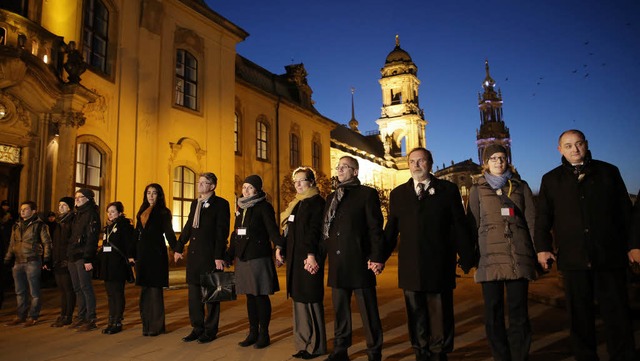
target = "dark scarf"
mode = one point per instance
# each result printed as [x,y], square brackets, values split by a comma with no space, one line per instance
[579,169]
[248,202]
[335,201]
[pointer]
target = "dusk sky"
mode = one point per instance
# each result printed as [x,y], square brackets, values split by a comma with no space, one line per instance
[560,64]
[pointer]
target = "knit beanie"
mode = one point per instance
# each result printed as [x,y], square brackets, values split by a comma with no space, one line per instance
[255,181]
[491,150]
[87,193]
[68,200]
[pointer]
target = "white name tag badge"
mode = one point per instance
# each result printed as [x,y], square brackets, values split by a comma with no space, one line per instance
[242,231]
[106,249]
[291,218]
[104,236]
[507,212]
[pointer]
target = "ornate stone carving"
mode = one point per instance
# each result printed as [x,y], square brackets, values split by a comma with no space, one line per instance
[14,112]
[75,64]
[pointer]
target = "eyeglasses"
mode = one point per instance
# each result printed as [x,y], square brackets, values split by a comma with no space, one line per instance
[496,159]
[341,168]
[80,197]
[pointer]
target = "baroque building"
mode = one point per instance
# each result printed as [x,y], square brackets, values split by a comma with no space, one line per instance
[116,94]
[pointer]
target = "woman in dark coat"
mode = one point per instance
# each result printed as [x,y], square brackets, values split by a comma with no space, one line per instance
[302,222]
[114,263]
[60,239]
[502,213]
[151,257]
[250,247]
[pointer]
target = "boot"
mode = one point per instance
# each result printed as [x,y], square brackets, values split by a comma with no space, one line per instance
[107,330]
[252,337]
[263,339]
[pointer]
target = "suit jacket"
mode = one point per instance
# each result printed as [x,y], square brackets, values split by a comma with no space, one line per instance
[589,218]
[355,237]
[432,231]
[151,256]
[304,237]
[208,242]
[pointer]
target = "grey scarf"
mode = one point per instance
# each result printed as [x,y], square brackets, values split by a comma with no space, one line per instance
[335,201]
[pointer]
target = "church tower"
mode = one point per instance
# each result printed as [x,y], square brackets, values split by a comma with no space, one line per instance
[401,123]
[492,128]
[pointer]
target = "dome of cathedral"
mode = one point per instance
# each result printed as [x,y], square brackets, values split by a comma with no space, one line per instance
[398,55]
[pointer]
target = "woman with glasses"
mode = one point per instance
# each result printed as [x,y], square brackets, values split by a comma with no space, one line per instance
[151,257]
[302,224]
[502,214]
[253,254]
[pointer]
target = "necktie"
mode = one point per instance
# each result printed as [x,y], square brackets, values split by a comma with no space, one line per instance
[421,191]
[196,216]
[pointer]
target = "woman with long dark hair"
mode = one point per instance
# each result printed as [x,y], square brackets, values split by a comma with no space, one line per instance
[151,257]
[114,263]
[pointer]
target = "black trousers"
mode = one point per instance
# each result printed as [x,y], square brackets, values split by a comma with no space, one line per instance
[201,322]
[367,301]
[512,344]
[609,289]
[152,310]
[430,321]
[67,294]
[116,300]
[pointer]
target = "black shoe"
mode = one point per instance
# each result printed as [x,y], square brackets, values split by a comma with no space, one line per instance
[263,341]
[115,328]
[107,331]
[206,338]
[191,337]
[252,337]
[338,356]
[299,354]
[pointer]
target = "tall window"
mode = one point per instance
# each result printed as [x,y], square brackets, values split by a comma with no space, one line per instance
[262,140]
[184,192]
[94,34]
[186,79]
[294,151]
[236,132]
[89,169]
[315,155]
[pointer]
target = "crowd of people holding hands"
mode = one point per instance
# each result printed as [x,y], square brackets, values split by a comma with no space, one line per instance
[583,219]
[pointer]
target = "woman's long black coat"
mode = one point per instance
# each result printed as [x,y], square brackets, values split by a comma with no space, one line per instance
[151,256]
[304,237]
[113,265]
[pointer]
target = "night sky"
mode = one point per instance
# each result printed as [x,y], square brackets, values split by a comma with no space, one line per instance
[560,65]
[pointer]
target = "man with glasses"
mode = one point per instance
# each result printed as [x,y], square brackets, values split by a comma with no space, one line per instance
[583,206]
[206,231]
[427,213]
[354,242]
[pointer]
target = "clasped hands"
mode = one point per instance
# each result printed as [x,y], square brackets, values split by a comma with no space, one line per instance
[375,267]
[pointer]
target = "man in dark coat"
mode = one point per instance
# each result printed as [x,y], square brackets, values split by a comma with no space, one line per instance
[585,204]
[206,230]
[428,215]
[355,245]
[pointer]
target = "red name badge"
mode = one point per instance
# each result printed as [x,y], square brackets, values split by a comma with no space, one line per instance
[507,212]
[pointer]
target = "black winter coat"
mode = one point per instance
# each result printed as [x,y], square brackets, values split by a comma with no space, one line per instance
[151,256]
[113,265]
[60,236]
[208,242]
[260,222]
[304,237]
[355,237]
[85,229]
[589,218]
[432,231]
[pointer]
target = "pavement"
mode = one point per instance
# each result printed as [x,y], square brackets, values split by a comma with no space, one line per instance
[42,342]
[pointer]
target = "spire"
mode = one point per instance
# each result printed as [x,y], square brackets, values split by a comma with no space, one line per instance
[353,123]
[488,80]
[397,40]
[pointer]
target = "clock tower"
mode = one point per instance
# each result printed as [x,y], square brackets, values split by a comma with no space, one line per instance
[492,127]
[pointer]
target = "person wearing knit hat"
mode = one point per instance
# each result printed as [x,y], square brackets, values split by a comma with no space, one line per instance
[68,200]
[501,212]
[255,181]
[251,249]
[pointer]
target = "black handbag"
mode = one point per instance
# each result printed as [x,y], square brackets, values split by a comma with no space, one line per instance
[218,286]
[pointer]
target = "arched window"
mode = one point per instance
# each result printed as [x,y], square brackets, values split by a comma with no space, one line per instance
[184,192]
[316,154]
[95,30]
[186,80]
[89,169]
[262,141]
[294,151]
